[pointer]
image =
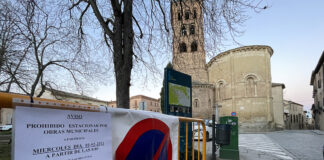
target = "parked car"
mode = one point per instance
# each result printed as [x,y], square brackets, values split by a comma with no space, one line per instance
[6,127]
[209,130]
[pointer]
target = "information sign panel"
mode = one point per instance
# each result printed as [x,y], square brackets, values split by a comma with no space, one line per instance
[177,101]
[177,93]
[52,134]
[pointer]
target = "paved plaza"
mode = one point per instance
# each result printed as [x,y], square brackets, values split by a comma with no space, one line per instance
[280,145]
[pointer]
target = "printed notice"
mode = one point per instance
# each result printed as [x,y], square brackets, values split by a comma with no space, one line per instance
[52,134]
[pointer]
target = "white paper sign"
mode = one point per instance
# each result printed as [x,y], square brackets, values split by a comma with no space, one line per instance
[52,134]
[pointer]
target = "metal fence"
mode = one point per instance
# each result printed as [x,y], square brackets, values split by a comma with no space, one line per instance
[199,122]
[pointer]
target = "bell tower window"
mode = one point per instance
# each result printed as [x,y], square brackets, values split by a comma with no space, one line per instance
[179,16]
[194,46]
[183,30]
[192,29]
[187,15]
[183,47]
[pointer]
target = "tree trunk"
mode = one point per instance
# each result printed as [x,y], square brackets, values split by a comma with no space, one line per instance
[2,53]
[123,53]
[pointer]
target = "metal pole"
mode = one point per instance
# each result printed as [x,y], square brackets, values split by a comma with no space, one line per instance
[217,117]
[214,139]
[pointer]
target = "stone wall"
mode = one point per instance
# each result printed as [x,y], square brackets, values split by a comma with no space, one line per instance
[278,108]
[203,101]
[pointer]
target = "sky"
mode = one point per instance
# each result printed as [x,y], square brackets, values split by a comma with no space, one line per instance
[295,31]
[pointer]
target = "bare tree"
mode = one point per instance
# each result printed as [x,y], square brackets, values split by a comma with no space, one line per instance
[44,52]
[7,40]
[131,29]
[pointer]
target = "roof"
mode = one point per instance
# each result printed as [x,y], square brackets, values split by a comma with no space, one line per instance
[293,102]
[142,96]
[317,68]
[72,95]
[138,96]
[244,48]
[279,84]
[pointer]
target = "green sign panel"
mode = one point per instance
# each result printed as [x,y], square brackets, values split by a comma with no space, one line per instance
[179,95]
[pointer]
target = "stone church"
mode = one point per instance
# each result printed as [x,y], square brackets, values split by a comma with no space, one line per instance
[237,80]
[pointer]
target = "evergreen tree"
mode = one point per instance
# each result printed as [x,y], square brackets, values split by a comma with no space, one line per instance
[169,66]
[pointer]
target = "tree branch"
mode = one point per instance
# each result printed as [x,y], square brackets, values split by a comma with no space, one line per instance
[164,17]
[139,27]
[100,18]
[81,21]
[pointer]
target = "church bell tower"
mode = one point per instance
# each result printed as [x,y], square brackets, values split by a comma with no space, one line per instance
[188,39]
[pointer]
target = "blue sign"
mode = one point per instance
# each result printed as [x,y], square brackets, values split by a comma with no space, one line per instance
[147,139]
[233,113]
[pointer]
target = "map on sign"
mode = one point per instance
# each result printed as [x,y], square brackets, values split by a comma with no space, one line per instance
[179,95]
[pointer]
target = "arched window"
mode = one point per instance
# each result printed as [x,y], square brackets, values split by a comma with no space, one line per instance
[251,86]
[179,16]
[196,103]
[183,47]
[221,91]
[192,29]
[183,30]
[195,13]
[194,46]
[187,15]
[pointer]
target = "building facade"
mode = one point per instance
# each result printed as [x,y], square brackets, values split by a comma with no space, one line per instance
[295,117]
[141,102]
[278,105]
[6,114]
[237,80]
[317,79]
